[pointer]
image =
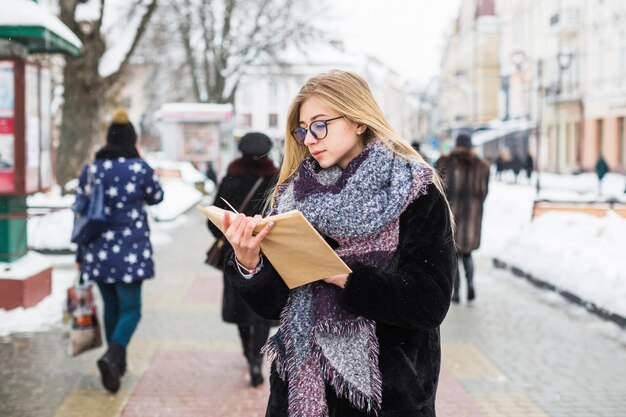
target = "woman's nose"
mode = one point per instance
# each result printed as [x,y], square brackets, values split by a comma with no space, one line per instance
[309,139]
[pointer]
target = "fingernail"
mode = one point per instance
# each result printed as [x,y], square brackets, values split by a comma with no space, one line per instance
[271,224]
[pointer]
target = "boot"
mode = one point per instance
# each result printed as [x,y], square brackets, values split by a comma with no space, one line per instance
[111,365]
[256,373]
[468,263]
[471,293]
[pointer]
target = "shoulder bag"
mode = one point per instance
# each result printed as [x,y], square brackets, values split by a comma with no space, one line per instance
[214,256]
[89,216]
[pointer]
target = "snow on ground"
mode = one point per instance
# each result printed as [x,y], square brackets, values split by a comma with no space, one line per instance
[575,252]
[49,312]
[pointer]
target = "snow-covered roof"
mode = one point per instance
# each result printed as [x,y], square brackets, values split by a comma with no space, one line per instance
[25,21]
[498,129]
[206,112]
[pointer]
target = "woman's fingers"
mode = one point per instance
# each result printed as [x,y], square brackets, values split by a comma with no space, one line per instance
[261,235]
[240,232]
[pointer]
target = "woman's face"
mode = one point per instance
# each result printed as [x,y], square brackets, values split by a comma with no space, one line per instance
[342,142]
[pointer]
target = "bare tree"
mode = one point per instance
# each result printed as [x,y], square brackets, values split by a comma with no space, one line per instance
[84,86]
[221,38]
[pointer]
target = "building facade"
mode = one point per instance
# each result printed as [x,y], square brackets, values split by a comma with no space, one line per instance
[605,77]
[266,91]
[470,69]
[542,55]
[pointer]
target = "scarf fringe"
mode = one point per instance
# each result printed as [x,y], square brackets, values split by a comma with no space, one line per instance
[272,355]
[342,387]
[273,352]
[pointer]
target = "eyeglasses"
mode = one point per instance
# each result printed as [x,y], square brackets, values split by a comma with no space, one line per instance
[318,128]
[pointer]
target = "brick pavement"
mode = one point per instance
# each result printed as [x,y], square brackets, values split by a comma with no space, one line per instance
[513,353]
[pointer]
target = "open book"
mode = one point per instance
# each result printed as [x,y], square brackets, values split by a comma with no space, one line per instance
[298,253]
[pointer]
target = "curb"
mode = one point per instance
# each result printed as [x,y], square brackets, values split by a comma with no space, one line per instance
[573,298]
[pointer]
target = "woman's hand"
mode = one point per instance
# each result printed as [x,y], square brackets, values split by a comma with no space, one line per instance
[239,233]
[338,280]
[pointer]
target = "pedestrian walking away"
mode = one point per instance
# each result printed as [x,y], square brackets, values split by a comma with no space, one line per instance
[120,258]
[516,165]
[501,164]
[364,343]
[252,173]
[467,180]
[602,168]
[529,166]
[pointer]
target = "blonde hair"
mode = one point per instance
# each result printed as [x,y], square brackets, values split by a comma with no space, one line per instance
[349,95]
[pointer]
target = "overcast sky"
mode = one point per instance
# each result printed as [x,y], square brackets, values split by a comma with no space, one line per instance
[408,35]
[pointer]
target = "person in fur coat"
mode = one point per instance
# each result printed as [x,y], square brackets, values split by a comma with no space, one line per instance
[120,259]
[365,343]
[467,180]
[241,176]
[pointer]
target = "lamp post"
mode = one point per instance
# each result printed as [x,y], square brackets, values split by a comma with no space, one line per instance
[564,60]
[518,57]
[539,121]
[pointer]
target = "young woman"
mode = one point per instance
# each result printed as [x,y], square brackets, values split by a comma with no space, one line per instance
[121,257]
[366,343]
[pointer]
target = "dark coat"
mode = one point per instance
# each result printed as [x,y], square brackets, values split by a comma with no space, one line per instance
[408,301]
[467,180]
[235,186]
[122,253]
[602,168]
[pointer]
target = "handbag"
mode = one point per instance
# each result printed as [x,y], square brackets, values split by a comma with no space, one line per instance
[89,216]
[85,333]
[215,254]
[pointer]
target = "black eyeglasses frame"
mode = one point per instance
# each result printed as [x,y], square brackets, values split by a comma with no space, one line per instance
[306,130]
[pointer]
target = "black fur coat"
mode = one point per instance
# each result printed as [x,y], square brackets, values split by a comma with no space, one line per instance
[408,301]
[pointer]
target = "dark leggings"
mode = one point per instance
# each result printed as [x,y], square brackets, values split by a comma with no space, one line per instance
[468,266]
[122,310]
[252,339]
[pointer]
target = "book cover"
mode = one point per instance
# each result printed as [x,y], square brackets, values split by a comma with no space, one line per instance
[296,250]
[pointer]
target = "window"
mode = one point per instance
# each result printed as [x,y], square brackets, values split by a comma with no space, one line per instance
[621,141]
[273,120]
[246,120]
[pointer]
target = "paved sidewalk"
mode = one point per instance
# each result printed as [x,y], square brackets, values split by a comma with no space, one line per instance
[512,353]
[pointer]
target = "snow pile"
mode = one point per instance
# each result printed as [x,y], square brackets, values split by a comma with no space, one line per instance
[179,197]
[575,252]
[49,311]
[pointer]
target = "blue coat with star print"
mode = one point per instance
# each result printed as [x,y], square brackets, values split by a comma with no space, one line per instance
[122,253]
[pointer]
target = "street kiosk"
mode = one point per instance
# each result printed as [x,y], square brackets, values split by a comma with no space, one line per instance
[26,29]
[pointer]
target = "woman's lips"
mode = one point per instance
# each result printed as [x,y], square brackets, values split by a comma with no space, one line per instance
[315,154]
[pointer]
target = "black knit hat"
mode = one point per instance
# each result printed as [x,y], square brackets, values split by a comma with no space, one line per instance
[121,133]
[255,144]
[463,141]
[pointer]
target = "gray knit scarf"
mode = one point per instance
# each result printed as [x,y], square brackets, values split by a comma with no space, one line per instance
[318,342]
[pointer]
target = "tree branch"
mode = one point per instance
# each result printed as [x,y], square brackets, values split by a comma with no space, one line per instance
[113,78]
[101,17]
[67,16]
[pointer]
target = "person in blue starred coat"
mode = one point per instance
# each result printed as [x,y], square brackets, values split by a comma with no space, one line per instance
[120,258]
